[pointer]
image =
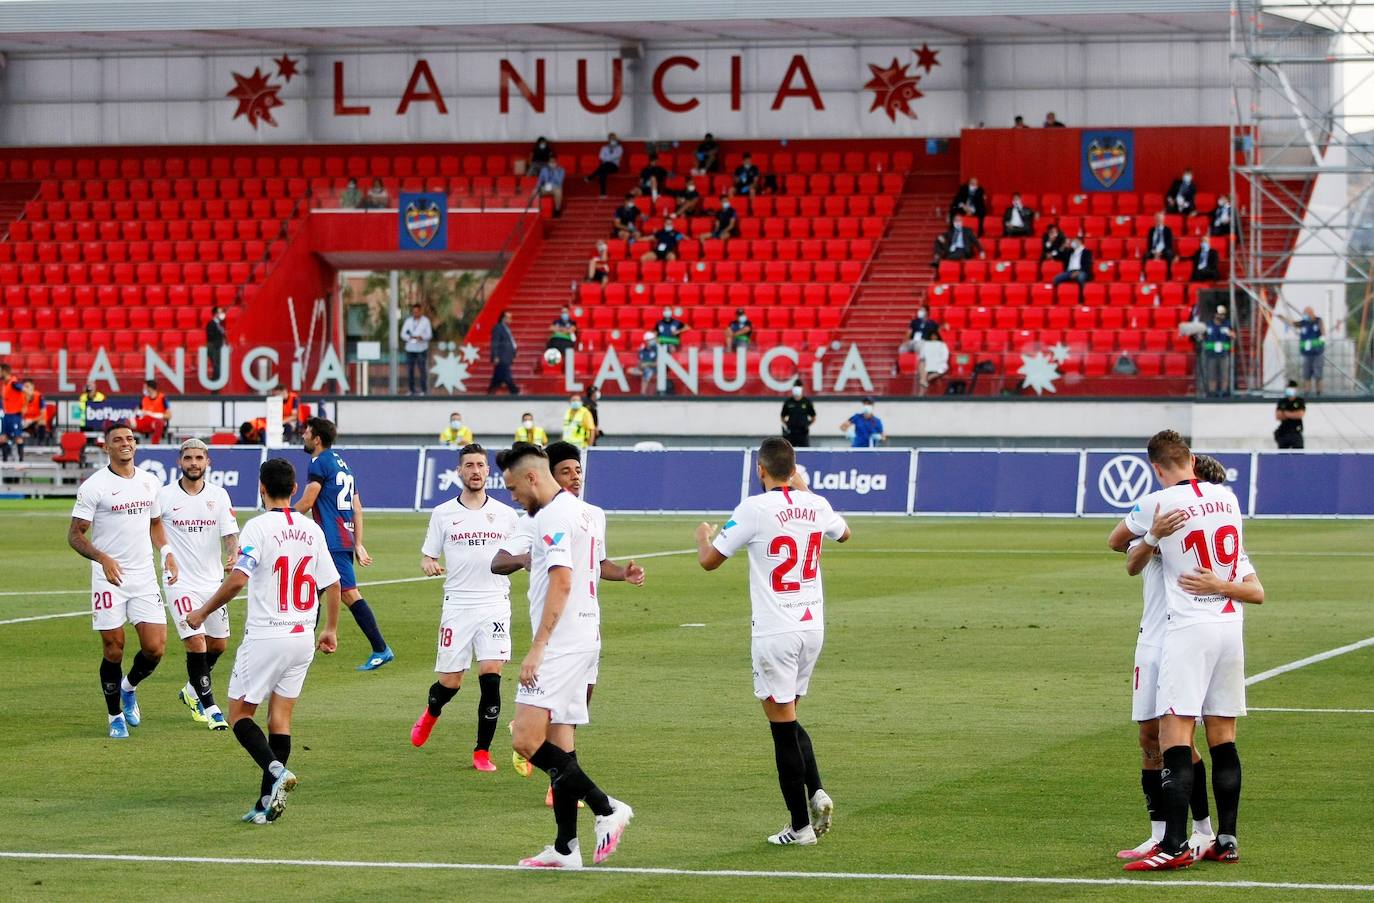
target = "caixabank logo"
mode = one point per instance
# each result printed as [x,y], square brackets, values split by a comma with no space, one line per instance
[258,95]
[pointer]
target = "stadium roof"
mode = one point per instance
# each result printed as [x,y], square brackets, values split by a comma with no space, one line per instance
[46,26]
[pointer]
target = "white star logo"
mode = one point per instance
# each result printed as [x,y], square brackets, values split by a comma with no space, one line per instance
[1060,352]
[470,353]
[1039,371]
[450,373]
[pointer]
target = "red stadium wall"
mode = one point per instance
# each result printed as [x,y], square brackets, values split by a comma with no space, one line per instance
[1041,160]
[377,234]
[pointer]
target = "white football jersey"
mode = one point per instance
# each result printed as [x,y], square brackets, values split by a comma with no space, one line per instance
[1154,614]
[783,530]
[288,564]
[120,511]
[465,539]
[195,526]
[565,536]
[521,539]
[1211,539]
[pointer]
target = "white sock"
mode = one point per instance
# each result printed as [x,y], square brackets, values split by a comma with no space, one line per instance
[125,685]
[113,717]
[213,710]
[1203,827]
[276,768]
[189,690]
[1156,831]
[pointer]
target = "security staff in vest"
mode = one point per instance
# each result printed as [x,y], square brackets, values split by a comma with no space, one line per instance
[1216,354]
[1312,345]
[1289,414]
[798,413]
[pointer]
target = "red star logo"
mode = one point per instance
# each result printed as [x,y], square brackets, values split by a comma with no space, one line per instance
[893,89]
[287,67]
[257,97]
[926,58]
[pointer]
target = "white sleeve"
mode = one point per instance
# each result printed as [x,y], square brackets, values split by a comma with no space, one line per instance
[1138,519]
[558,537]
[521,537]
[87,501]
[434,536]
[834,524]
[156,511]
[737,532]
[250,550]
[228,522]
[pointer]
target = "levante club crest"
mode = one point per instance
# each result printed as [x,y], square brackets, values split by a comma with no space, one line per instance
[1107,159]
[422,219]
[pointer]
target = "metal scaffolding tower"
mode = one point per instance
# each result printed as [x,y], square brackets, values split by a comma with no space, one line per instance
[1294,152]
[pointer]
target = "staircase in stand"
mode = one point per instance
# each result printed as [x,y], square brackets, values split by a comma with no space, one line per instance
[13,197]
[897,279]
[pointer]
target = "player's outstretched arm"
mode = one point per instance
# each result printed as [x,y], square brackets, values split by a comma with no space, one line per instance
[1206,583]
[230,588]
[158,534]
[1120,538]
[630,573]
[708,556]
[329,637]
[505,563]
[76,538]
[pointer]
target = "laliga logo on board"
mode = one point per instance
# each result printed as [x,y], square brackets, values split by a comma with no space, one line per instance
[848,481]
[1107,160]
[1124,480]
[226,479]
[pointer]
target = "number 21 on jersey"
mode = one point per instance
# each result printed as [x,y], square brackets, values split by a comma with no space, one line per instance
[786,547]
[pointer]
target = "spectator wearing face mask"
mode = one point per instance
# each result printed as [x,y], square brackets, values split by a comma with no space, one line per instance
[665,242]
[1206,265]
[688,200]
[918,330]
[646,365]
[610,155]
[724,226]
[540,155]
[1018,220]
[456,434]
[798,413]
[579,427]
[970,201]
[1289,413]
[959,243]
[529,431]
[669,331]
[740,332]
[1182,196]
[1078,264]
[864,429]
[599,266]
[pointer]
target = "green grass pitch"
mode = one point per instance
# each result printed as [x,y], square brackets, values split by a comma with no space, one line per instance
[971,714]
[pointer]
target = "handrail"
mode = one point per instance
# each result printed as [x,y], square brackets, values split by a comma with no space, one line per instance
[283,233]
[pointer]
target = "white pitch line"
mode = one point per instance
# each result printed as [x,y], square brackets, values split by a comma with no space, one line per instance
[65,614]
[692,873]
[1310,660]
[1315,711]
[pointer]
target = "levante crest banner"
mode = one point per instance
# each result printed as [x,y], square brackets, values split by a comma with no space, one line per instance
[424,222]
[1107,161]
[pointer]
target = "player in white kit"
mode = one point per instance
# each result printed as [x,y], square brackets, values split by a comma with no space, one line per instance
[203,533]
[565,621]
[783,529]
[118,505]
[475,621]
[1144,682]
[284,561]
[1207,579]
[565,462]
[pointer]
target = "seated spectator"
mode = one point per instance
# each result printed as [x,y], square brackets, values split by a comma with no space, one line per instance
[665,242]
[920,329]
[688,200]
[740,332]
[1159,243]
[707,153]
[154,413]
[563,332]
[540,155]
[377,197]
[1206,262]
[1019,123]
[959,243]
[970,201]
[550,182]
[1182,196]
[35,418]
[646,368]
[351,198]
[292,425]
[653,178]
[456,434]
[610,155]
[1051,122]
[669,331]
[1078,264]
[253,432]
[1222,220]
[725,224]
[1018,220]
[746,177]
[934,360]
[599,267]
[1052,244]
[625,220]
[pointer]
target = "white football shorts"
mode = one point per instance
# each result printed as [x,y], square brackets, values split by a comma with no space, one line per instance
[783,664]
[133,603]
[264,666]
[1145,682]
[561,687]
[181,602]
[1202,670]
[473,631]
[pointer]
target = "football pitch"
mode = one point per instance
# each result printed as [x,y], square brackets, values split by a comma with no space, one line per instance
[970,713]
